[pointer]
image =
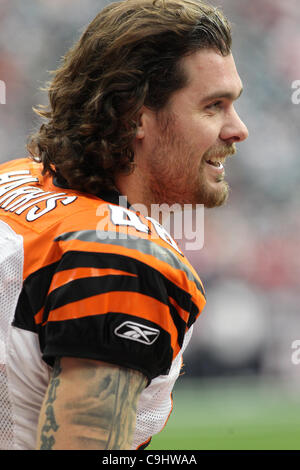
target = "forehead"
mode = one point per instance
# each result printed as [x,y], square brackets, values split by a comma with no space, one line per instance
[208,71]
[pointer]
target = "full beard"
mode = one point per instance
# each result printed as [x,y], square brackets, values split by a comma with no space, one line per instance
[172,182]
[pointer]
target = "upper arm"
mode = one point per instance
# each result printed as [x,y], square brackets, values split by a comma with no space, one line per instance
[89,405]
[133,298]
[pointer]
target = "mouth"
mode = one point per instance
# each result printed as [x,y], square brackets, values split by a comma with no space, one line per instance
[216,157]
[216,166]
[216,163]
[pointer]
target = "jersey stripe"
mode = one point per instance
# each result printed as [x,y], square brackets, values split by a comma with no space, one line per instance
[70,285]
[121,302]
[179,323]
[133,260]
[79,289]
[32,297]
[63,277]
[183,313]
[67,296]
[132,242]
[151,281]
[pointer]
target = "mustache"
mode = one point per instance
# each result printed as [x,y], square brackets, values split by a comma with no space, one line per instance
[221,151]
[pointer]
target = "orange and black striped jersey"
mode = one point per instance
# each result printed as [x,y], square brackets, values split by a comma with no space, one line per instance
[99,280]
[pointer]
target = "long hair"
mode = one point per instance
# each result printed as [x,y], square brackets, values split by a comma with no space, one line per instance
[128,56]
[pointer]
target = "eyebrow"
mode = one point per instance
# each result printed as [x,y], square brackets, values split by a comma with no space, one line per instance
[222,94]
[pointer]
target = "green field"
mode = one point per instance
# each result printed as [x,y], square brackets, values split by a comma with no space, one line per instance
[232,415]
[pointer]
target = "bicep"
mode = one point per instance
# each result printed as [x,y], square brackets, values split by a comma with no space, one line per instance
[89,405]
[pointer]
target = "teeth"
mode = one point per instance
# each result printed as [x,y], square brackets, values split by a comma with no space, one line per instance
[217,164]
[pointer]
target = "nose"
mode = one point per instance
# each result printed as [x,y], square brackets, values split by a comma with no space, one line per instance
[234,129]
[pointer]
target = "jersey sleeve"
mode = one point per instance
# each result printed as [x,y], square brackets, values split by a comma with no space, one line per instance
[126,301]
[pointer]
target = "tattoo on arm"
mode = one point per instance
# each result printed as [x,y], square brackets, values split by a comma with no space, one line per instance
[90,405]
[50,425]
[106,415]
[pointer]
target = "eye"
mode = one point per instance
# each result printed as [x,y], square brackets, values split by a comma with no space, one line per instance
[215,105]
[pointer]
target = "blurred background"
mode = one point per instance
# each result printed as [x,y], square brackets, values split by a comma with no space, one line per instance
[241,383]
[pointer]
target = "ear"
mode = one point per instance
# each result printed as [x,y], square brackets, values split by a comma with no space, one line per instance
[140,129]
[145,123]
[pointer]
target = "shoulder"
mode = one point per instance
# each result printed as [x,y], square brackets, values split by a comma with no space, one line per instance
[114,229]
[32,199]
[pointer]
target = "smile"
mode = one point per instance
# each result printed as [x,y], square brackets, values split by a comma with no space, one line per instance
[215,168]
[216,164]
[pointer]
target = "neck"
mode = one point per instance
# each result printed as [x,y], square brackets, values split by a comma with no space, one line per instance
[131,186]
[136,189]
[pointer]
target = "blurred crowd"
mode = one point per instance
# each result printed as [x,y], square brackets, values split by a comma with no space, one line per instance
[249,264]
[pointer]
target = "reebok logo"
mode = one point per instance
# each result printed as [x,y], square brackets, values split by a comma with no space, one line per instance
[137,332]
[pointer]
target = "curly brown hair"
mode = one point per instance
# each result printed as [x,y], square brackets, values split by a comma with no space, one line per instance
[128,56]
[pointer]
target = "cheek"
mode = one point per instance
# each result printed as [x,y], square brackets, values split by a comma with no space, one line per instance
[201,134]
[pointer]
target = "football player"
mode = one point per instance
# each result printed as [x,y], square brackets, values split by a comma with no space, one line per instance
[97,300]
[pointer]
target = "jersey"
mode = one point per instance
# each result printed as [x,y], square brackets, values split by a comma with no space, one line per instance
[83,276]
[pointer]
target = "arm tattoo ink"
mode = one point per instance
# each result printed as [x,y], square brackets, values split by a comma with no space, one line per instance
[50,426]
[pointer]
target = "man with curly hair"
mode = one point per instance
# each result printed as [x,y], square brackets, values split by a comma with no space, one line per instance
[98,301]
